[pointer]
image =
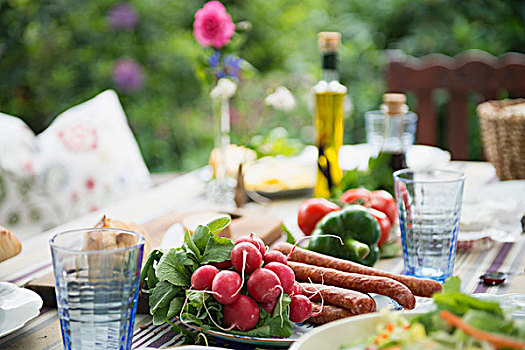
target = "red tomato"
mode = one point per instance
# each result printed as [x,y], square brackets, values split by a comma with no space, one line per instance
[384,223]
[383,201]
[311,211]
[357,195]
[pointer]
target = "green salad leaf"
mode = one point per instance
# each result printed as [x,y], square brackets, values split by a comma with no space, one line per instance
[452,299]
[484,315]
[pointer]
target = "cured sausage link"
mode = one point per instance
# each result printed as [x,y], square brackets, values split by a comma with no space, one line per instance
[356,302]
[362,283]
[419,286]
[329,313]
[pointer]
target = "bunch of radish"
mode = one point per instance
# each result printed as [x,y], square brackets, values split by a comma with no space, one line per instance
[266,276]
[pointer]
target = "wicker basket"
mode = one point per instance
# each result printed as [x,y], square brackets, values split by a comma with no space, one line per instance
[503,134]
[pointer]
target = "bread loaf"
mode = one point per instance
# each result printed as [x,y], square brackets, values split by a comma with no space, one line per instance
[9,244]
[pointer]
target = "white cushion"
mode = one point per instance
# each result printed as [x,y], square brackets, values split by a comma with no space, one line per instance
[85,159]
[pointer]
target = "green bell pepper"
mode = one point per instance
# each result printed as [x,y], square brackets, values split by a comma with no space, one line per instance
[358,230]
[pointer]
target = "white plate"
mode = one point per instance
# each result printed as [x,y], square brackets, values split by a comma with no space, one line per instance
[333,335]
[300,329]
[19,306]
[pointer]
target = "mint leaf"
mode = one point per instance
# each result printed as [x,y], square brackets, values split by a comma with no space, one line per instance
[289,237]
[171,267]
[217,249]
[191,245]
[219,224]
[162,295]
[200,237]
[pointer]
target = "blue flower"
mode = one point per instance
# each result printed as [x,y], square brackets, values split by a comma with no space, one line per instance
[232,66]
[220,74]
[214,59]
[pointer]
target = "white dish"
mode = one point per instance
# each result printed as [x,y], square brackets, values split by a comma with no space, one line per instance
[333,335]
[19,306]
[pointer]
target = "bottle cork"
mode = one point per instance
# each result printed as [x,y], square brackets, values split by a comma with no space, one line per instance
[329,41]
[394,103]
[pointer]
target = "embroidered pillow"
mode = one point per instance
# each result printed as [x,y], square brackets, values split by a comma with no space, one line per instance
[84,160]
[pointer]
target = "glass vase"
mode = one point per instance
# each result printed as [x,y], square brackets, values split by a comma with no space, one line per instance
[221,189]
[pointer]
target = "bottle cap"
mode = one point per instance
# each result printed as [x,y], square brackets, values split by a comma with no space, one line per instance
[329,41]
[394,103]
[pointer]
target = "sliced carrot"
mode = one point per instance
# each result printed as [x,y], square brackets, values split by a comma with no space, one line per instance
[390,327]
[495,339]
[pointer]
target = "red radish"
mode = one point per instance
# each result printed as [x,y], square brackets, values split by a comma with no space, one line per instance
[300,308]
[296,289]
[226,286]
[243,314]
[255,240]
[223,264]
[252,261]
[269,306]
[203,277]
[275,256]
[264,285]
[285,274]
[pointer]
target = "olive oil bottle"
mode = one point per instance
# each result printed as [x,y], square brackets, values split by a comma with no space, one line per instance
[329,97]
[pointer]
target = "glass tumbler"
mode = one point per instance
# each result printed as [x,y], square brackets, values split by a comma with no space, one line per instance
[97,273]
[382,130]
[429,203]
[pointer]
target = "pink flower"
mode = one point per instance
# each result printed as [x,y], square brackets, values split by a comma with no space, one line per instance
[213,26]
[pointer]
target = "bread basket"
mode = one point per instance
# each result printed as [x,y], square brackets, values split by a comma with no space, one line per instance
[503,133]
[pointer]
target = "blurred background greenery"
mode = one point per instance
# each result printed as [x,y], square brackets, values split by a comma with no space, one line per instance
[55,54]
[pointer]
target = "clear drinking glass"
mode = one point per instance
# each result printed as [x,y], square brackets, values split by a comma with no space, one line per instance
[382,130]
[97,273]
[429,203]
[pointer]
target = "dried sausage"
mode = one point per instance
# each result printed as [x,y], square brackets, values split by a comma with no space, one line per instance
[356,302]
[419,286]
[329,313]
[362,283]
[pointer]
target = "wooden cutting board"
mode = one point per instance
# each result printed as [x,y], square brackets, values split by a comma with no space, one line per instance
[243,222]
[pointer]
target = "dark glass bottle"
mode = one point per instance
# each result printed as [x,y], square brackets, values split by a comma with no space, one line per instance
[393,147]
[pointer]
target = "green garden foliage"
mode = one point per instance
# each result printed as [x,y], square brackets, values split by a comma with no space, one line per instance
[55,54]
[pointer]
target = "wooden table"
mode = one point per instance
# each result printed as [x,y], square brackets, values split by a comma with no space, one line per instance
[186,193]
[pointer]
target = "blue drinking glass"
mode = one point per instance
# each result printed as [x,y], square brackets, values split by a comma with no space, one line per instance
[429,208]
[97,274]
